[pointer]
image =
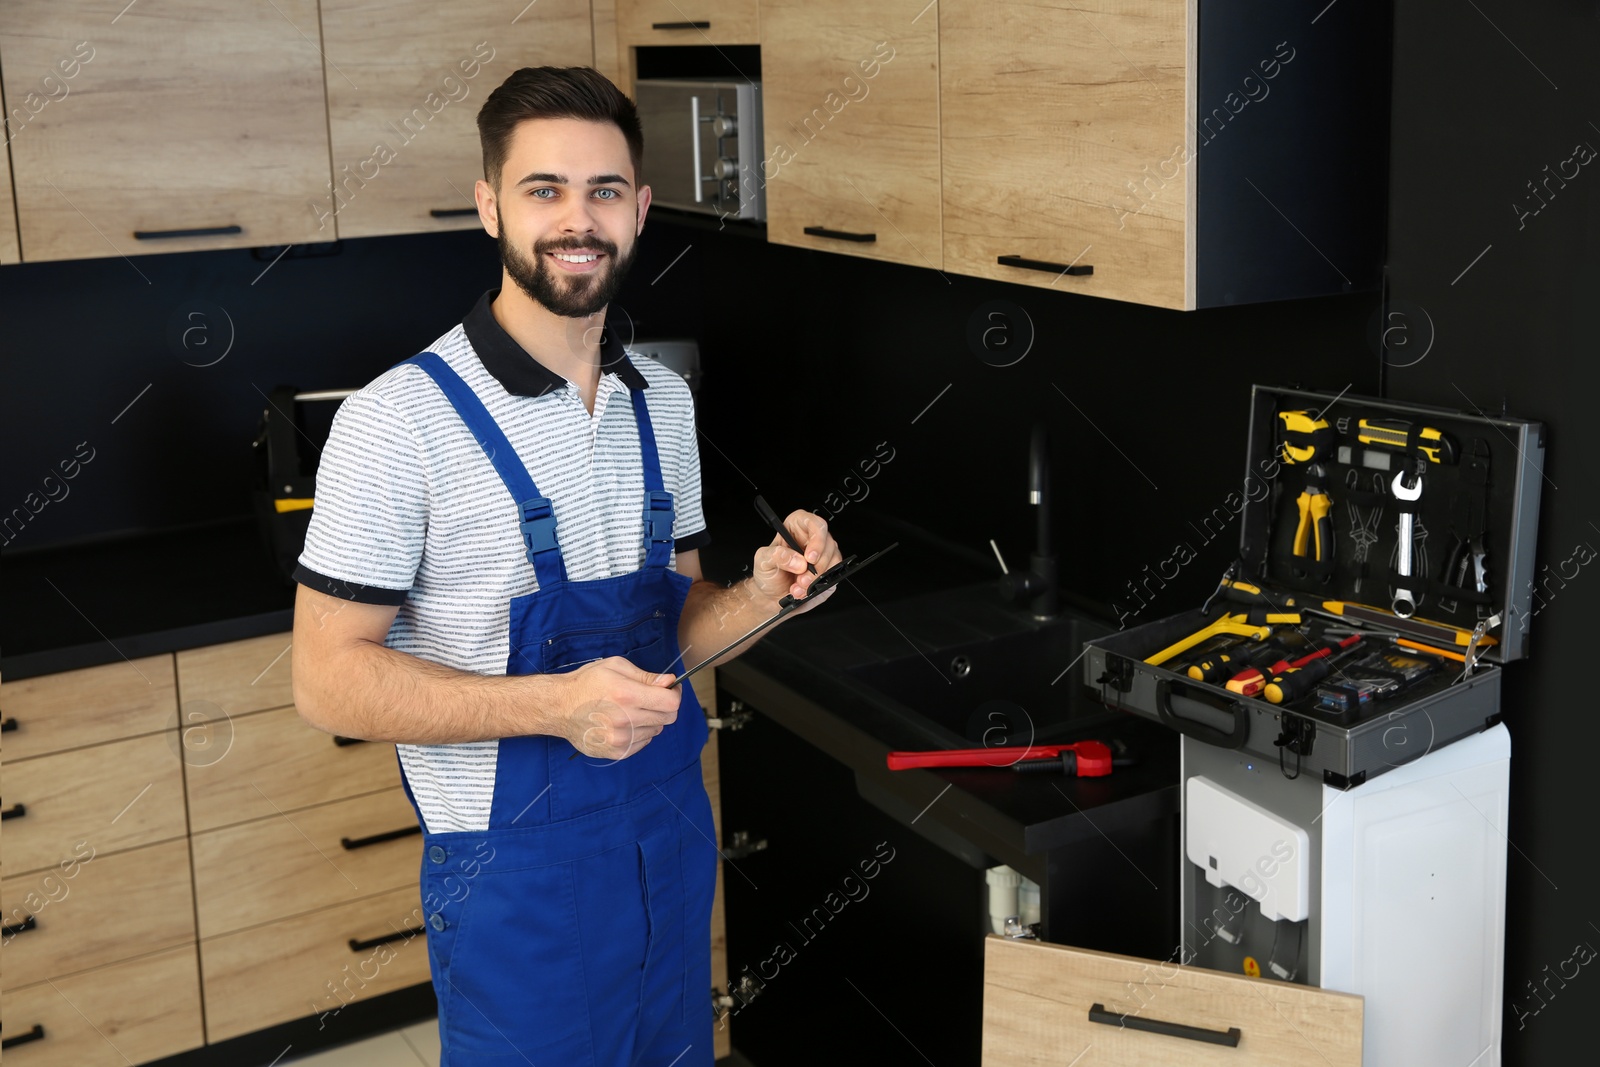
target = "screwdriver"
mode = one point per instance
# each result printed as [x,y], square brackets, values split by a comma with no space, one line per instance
[1296,682]
[1252,681]
[1214,667]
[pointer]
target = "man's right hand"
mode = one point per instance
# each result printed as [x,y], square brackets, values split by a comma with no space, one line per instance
[613,709]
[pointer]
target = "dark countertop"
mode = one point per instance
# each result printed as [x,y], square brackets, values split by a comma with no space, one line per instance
[797,677]
[84,605]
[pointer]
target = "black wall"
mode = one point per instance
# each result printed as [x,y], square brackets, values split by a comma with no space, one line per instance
[813,361]
[1480,109]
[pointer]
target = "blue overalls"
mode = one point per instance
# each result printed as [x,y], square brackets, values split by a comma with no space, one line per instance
[575,930]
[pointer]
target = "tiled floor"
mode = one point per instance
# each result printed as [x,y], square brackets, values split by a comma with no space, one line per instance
[416,1045]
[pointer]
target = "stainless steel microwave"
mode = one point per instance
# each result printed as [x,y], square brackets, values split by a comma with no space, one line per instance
[702,145]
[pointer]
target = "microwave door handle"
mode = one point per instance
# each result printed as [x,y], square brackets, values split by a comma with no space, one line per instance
[694,121]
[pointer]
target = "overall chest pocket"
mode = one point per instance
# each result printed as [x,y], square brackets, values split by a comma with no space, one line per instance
[642,640]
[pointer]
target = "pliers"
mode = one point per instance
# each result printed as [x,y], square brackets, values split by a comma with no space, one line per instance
[1467,567]
[1313,537]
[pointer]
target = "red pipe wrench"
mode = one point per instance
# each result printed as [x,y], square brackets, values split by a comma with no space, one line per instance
[1093,757]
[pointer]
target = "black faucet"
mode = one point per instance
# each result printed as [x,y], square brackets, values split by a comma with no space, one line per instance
[1039,584]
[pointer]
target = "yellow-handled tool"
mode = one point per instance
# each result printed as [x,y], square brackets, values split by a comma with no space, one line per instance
[1304,437]
[1255,625]
[1396,433]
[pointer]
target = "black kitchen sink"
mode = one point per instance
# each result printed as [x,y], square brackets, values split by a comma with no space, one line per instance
[962,665]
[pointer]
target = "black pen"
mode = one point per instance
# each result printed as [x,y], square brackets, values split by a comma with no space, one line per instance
[770,517]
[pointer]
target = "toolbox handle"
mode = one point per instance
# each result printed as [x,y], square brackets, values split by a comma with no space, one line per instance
[1199,730]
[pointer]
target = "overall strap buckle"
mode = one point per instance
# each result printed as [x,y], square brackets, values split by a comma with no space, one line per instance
[538,526]
[658,515]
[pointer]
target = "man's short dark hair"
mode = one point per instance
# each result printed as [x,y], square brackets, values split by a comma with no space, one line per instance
[554,93]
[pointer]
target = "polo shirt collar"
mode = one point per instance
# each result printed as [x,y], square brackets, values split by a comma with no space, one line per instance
[519,373]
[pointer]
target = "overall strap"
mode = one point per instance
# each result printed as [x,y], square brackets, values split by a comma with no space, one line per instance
[658,511]
[534,512]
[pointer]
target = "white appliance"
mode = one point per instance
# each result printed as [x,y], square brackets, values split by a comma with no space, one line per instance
[1400,883]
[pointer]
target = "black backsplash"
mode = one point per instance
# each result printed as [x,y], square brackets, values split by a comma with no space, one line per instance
[830,383]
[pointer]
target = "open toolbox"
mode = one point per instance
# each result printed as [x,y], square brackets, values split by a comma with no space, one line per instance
[1335,645]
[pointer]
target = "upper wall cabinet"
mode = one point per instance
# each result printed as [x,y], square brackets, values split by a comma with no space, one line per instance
[9,252]
[851,118]
[1177,155]
[164,127]
[686,22]
[405,81]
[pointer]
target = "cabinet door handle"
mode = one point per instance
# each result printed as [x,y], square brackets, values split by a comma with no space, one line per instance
[36,1034]
[15,811]
[12,929]
[1039,264]
[452,212]
[1229,1037]
[399,935]
[694,131]
[343,741]
[680,25]
[7,726]
[378,839]
[840,235]
[202,231]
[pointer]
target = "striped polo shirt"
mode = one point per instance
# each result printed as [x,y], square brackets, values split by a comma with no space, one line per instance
[409,511]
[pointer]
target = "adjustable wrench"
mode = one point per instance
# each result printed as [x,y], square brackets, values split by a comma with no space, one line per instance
[1405,600]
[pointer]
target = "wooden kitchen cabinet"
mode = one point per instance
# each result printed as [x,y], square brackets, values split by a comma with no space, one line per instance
[850,108]
[405,82]
[608,56]
[250,910]
[55,712]
[1135,152]
[106,909]
[1045,112]
[651,22]
[235,677]
[189,124]
[104,798]
[285,865]
[1047,1004]
[92,1020]
[309,964]
[10,251]
[276,764]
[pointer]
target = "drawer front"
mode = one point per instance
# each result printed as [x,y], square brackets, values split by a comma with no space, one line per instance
[668,22]
[1046,1004]
[234,678]
[98,911]
[111,797]
[96,1018]
[76,708]
[305,966]
[275,763]
[293,863]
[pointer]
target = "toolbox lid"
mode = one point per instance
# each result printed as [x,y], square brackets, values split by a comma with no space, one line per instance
[1322,511]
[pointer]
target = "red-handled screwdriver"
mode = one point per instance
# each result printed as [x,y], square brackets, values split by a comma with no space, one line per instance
[1252,681]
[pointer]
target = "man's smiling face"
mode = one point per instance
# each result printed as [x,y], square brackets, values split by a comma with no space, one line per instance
[570,213]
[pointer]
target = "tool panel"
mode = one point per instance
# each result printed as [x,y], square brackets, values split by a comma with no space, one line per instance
[1385,571]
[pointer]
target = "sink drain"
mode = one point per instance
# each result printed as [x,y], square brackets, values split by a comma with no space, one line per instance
[961,666]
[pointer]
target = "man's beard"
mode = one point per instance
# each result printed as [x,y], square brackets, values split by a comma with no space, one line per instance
[572,295]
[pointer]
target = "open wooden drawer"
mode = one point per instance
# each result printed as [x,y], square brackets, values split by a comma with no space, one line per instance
[1051,1004]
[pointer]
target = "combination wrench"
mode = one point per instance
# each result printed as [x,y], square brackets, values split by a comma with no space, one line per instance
[1405,599]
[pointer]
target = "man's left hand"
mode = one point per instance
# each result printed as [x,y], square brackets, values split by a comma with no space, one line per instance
[780,571]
